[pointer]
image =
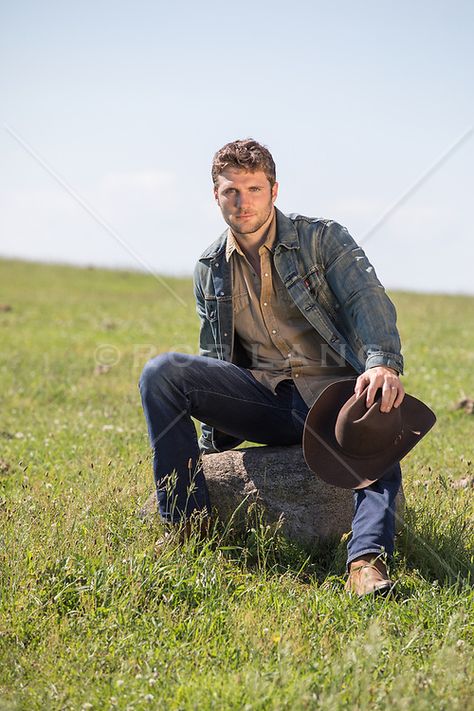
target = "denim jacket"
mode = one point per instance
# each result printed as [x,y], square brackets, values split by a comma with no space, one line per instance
[329,279]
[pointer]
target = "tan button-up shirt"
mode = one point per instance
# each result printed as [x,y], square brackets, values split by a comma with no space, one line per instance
[279,341]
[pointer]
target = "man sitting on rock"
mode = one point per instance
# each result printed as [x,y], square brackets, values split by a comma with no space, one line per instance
[288,305]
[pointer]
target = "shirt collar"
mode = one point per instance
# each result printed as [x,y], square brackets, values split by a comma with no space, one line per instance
[231,245]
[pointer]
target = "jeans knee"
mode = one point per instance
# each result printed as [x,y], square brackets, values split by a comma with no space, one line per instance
[163,368]
[153,371]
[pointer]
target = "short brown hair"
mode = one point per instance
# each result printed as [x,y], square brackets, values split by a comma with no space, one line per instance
[244,154]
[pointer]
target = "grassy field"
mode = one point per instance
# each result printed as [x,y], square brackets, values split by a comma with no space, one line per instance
[94,616]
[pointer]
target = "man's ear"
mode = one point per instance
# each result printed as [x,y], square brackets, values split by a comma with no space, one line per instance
[216,195]
[274,191]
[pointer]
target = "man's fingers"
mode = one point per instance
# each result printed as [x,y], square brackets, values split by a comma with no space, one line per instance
[389,394]
[392,389]
[371,392]
[361,384]
[400,396]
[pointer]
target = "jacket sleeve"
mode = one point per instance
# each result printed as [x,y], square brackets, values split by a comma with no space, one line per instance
[207,345]
[364,304]
[211,440]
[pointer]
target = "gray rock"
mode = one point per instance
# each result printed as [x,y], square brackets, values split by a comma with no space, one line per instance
[280,482]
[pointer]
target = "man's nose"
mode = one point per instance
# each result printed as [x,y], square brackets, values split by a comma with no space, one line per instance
[242,200]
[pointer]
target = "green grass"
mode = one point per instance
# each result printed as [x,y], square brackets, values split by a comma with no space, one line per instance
[95,616]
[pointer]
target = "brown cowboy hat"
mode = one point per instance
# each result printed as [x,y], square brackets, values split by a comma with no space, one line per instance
[349,445]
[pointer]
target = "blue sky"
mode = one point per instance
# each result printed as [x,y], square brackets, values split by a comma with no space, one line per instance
[128,101]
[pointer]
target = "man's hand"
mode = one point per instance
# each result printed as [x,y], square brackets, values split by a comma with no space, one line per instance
[383,377]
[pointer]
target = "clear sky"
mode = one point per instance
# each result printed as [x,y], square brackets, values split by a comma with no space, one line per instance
[128,101]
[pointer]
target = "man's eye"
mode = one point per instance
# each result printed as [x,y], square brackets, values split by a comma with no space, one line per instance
[255,190]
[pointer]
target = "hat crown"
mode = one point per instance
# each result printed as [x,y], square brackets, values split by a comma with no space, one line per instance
[362,432]
[386,437]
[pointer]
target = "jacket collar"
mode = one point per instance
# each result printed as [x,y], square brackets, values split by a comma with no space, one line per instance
[286,236]
[215,249]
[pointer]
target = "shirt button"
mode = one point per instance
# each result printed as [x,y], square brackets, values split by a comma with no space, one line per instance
[265,303]
[297,375]
[273,331]
[216,264]
[221,293]
[266,274]
[225,334]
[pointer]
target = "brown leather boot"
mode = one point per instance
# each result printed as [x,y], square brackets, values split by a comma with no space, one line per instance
[368,575]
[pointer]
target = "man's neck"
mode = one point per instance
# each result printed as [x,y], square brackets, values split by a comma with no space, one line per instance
[251,243]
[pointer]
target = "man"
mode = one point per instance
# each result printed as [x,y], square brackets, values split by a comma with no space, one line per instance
[287,304]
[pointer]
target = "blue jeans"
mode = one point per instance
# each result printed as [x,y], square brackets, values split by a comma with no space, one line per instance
[176,387]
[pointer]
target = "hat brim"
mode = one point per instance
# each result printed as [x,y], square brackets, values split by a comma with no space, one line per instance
[330,463]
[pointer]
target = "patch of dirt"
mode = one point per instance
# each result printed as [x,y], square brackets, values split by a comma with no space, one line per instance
[4,466]
[101,369]
[466,403]
[467,482]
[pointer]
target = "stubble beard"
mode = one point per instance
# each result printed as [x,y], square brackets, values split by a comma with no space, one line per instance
[252,227]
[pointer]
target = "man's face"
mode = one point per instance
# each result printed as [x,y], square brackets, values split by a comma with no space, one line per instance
[245,199]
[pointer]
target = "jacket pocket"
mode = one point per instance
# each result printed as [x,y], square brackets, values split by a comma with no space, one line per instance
[321,291]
